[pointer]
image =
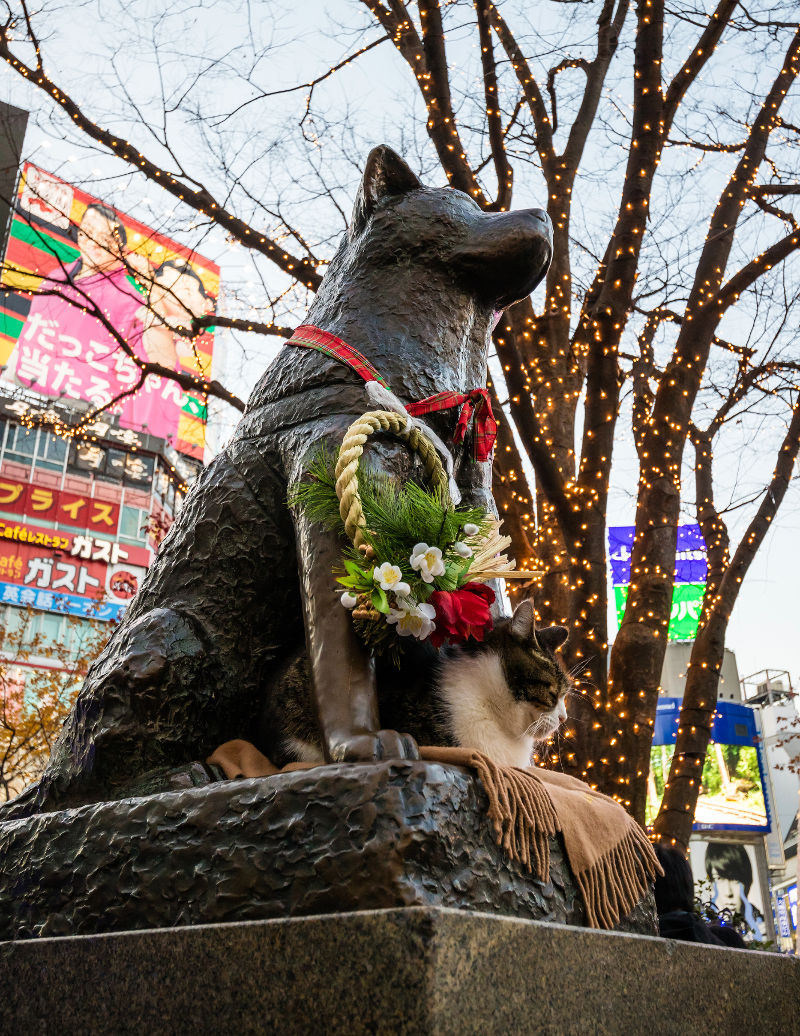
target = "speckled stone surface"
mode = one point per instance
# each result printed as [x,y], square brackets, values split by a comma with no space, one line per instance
[348,837]
[423,970]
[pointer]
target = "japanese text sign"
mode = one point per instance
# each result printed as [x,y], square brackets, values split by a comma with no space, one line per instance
[691,565]
[96,578]
[84,275]
[687,604]
[66,604]
[691,572]
[74,509]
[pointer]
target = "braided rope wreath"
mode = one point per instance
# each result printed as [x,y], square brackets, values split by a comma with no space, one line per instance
[438,589]
[346,471]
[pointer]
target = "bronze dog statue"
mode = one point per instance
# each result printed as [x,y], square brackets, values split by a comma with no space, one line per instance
[416,286]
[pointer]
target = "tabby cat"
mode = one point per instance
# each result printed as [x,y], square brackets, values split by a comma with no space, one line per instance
[501,696]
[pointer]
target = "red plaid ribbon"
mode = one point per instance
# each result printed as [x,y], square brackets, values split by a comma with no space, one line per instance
[476,402]
[312,338]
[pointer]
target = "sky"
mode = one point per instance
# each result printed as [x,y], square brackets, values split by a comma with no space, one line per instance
[306,169]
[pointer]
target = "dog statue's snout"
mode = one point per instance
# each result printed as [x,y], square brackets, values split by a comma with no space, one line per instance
[524,248]
[540,217]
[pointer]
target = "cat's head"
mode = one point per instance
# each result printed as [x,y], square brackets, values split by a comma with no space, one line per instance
[534,673]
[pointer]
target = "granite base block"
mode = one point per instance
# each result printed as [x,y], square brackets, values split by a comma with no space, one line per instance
[348,837]
[424,971]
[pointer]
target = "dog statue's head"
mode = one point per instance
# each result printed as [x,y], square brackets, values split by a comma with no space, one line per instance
[498,257]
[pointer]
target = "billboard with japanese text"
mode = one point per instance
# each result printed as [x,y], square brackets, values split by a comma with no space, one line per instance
[74,509]
[81,275]
[691,572]
[687,605]
[76,573]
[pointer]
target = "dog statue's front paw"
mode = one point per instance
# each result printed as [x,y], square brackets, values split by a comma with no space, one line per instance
[373,748]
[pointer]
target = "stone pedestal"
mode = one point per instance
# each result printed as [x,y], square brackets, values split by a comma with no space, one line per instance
[424,971]
[337,838]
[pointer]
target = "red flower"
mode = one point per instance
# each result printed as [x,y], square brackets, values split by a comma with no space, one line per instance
[461,613]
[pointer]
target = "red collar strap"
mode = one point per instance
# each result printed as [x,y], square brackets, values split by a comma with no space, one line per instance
[476,402]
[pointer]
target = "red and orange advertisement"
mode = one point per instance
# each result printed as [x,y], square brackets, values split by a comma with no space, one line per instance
[91,291]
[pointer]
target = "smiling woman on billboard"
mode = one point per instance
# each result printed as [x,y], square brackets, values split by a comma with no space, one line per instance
[76,258]
[175,296]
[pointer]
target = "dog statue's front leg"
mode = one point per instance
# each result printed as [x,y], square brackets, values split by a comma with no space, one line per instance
[343,672]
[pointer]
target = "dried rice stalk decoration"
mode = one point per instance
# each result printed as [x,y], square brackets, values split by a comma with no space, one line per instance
[490,560]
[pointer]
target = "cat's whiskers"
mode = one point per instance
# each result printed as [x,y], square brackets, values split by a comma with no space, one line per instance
[541,729]
[579,668]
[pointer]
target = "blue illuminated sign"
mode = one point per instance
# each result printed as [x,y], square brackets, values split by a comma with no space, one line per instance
[691,564]
[63,604]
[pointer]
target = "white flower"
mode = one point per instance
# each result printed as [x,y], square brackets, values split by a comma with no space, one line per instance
[412,619]
[349,600]
[463,549]
[427,561]
[388,577]
[401,589]
[471,530]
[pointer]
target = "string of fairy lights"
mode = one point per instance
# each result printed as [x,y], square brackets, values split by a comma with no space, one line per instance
[672,468]
[553,379]
[578,495]
[50,419]
[582,495]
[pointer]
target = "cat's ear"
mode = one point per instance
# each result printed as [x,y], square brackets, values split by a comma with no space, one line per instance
[523,622]
[552,637]
[385,173]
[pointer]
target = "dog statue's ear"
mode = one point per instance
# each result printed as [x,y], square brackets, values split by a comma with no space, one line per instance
[385,173]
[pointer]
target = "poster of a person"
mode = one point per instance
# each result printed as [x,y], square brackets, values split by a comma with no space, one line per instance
[65,349]
[729,869]
[89,276]
[176,295]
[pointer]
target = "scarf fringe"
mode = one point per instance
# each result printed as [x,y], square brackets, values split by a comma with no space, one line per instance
[619,880]
[524,820]
[521,812]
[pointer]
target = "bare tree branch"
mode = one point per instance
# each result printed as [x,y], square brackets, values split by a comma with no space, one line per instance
[502,166]
[427,60]
[774,189]
[197,197]
[729,293]
[699,57]
[236,324]
[562,66]
[530,90]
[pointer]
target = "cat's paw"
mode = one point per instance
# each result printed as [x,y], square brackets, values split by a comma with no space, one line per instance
[374,747]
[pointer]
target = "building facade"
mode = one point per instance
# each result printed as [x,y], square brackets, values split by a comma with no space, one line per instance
[80,523]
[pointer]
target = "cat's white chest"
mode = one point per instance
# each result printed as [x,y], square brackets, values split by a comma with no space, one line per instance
[482,711]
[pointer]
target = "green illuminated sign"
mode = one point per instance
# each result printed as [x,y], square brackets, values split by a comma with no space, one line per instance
[687,603]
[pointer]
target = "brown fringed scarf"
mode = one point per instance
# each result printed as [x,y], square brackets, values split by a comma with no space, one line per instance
[610,856]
